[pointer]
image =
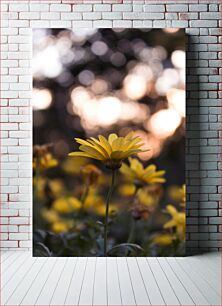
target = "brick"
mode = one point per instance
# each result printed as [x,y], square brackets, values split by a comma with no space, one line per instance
[71,16]
[121,7]
[112,15]
[18,7]
[177,8]
[93,15]
[198,7]
[102,23]
[122,23]
[135,15]
[102,7]
[9,244]
[82,8]
[210,15]
[18,236]
[203,23]
[60,7]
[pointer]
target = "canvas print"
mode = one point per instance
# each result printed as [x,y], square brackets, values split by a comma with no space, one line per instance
[109,142]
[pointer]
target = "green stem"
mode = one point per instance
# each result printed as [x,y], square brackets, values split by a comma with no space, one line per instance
[132,231]
[107,210]
[84,196]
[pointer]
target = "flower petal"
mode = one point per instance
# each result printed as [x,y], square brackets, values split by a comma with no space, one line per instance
[104,142]
[111,138]
[118,155]
[170,224]
[80,154]
[171,210]
[92,151]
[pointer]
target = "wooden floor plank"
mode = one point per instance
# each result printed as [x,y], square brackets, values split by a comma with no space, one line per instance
[100,283]
[152,288]
[13,269]
[38,284]
[62,288]
[86,294]
[212,261]
[17,278]
[5,255]
[139,289]
[214,280]
[113,285]
[126,289]
[23,287]
[166,289]
[181,293]
[46,294]
[10,261]
[208,292]
[73,294]
[190,286]
[110,281]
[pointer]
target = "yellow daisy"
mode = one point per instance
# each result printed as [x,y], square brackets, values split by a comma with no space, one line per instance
[177,221]
[140,175]
[112,150]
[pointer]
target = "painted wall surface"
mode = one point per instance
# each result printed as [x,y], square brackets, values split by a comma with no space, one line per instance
[202,20]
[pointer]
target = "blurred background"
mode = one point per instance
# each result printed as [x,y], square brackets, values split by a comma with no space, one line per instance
[97,81]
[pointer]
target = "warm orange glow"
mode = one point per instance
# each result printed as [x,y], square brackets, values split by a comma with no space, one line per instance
[171,30]
[135,86]
[164,123]
[108,111]
[178,58]
[169,79]
[41,99]
[177,100]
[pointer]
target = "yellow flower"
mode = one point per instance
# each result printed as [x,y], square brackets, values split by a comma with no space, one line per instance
[66,205]
[62,226]
[127,190]
[146,198]
[90,174]
[42,158]
[177,221]
[163,239]
[140,175]
[101,209]
[73,165]
[111,151]
[50,215]
[178,194]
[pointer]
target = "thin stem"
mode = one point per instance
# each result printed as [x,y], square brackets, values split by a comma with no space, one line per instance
[132,231]
[84,196]
[107,210]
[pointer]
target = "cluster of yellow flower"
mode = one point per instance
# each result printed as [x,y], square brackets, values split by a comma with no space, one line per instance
[176,226]
[141,187]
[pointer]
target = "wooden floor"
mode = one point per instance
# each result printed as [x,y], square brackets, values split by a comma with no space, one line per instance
[110,281]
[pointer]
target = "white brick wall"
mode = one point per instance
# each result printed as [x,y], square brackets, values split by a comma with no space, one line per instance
[201,17]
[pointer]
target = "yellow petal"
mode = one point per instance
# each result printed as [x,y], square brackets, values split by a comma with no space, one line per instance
[130,135]
[92,151]
[136,165]
[91,144]
[80,154]
[111,138]
[104,142]
[169,224]
[171,210]
[149,170]
[117,144]
[99,148]
[130,153]
[126,170]
[117,155]
[98,143]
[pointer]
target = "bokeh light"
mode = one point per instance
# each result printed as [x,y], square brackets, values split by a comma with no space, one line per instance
[41,99]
